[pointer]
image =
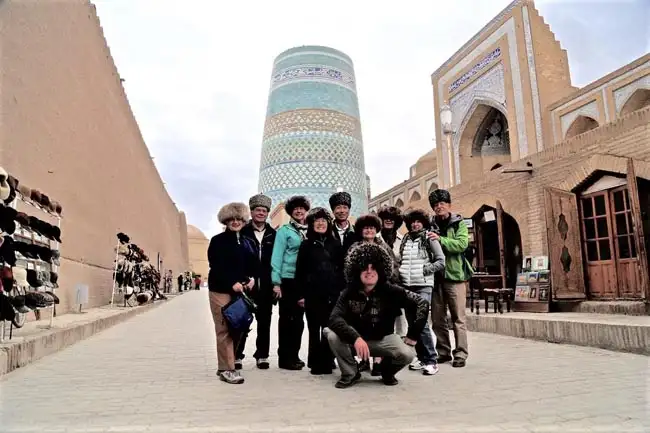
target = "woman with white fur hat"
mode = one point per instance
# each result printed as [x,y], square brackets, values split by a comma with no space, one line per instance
[232,270]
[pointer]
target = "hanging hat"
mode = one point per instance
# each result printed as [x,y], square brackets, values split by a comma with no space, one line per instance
[363,254]
[439,195]
[24,191]
[34,278]
[36,300]
[35,196]
[391,213]
[417,215]
[7,223]
[296,201]
[7,277]
[340,198]
[8,251]
[54,297]
[20,276]
[19,304]
[5,190]
[7,310]
[22,218]
[56,206]
[123,238]
[233,211]
[13,184]
[260,200]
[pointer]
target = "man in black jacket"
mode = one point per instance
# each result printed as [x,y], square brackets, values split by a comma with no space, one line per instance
[343,230]
[261,236]
[364,316]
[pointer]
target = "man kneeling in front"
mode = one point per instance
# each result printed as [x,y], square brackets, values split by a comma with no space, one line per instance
[364,316]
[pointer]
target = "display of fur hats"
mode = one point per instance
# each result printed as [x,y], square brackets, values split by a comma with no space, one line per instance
[10,188]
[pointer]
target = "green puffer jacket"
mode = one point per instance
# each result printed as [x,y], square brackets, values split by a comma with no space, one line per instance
[454,240]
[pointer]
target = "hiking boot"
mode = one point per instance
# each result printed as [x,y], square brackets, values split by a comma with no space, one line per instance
[416,365]
[346,382]
[389,380]
[239,364]
[263,364]
[231,376]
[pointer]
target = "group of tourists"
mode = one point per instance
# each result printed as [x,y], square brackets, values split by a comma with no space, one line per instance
[365,289]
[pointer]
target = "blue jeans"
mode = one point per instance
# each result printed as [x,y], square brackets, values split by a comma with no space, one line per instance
[426,344]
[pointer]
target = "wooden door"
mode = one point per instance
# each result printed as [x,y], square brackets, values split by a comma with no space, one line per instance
[598,245]
[502,252]
[564,247]
[639,235]
[626,257]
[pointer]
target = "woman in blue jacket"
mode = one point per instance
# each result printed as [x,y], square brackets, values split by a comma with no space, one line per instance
[283,271]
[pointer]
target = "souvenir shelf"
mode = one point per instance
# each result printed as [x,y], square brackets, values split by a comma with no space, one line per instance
[533,291]
[133,275]
[32,206]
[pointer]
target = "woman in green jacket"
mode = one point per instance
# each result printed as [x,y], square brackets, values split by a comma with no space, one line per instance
[283,271]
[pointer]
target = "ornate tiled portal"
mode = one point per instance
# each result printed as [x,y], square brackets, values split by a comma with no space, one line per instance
[312,136]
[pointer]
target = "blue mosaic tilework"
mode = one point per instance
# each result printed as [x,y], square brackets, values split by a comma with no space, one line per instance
[312,138]
[305,94]
[313,146]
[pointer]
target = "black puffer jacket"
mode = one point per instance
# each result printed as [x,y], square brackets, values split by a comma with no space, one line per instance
[231,261]
[318,270]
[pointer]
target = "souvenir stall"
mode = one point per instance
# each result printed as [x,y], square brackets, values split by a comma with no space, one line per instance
[134,277]
[30,222]
[533,291]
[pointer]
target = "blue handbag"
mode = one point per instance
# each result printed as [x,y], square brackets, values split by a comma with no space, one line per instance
[238,313]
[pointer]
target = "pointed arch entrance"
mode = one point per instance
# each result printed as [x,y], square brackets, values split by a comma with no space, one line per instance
[580,125]
[484,141]
[638,100]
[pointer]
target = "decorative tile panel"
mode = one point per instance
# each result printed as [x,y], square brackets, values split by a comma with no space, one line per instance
[312,136]
[313,94]
[312,120]
[532,70]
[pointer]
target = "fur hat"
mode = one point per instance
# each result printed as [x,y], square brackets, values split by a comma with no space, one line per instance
[296,201]
[313,215]
[439,195]
[340,198]
[391,213]
[363,254]
[24,191]
[233,211]
[367,221]
[417,215]
[123,238]
[260,200]
[5,189]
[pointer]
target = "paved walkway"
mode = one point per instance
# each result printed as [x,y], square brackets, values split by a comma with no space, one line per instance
[156,373]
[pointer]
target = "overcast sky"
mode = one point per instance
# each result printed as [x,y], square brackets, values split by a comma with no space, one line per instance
[197,75]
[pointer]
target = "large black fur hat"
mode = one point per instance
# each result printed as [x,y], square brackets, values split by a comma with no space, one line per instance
[296,201]
[439,195]
[367,221]
[339,198]
[417,215]
[363,254]
[391,213]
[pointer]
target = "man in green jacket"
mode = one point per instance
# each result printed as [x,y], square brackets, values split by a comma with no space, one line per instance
[452,292]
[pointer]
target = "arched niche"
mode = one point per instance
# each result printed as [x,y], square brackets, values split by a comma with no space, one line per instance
[580,125]
[637,100]
[399,203]
[434,186]
[415,197]
[484,141]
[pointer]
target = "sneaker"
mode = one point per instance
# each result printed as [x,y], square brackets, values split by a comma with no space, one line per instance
[416,365]
[239,363]
[263,364]
[430,370]
[231,376]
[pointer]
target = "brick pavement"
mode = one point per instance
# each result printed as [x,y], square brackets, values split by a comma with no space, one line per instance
[156,373]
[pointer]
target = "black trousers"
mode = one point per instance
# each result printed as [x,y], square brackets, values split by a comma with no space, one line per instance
[263,319]
[291,323]
[320,356]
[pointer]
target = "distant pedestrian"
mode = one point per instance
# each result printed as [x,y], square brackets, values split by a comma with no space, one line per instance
[232,270]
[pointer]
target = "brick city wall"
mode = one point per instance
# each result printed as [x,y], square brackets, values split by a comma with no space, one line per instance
[522,195]
[68,130]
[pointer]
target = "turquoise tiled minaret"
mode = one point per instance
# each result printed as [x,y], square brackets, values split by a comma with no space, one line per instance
[312,136]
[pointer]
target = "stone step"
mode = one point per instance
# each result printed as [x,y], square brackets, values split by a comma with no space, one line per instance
[620,333]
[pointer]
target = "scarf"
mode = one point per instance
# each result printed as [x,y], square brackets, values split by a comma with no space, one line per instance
[301,228]
[389,236]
